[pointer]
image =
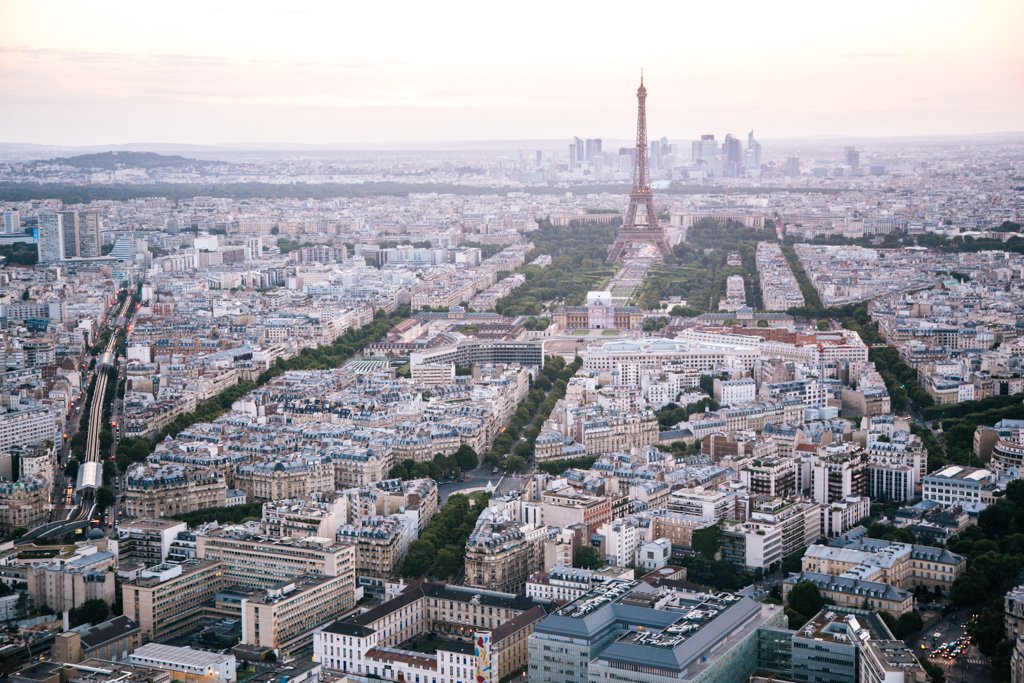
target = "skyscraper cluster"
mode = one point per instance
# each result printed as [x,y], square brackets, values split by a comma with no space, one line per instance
[729,160]
[583,152]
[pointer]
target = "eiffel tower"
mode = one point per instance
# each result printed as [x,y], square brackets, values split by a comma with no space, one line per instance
[648,231]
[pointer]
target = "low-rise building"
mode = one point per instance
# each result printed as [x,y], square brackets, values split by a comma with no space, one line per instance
[852,592]
[904,565]
[959,485]
[185,664]
[111,640]
[626,631]
[484,634]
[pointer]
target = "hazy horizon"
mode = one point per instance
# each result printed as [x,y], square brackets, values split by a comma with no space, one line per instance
[328,74]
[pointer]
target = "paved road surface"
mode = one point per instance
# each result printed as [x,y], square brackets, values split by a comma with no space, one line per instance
[479,479]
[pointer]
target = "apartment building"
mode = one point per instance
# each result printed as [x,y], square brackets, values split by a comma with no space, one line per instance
[23,426]
[146,542]
[380,543]
[167,600]
[838,471]
[562,584]
[283,479]
[63,584]
[284,616]
[263,562]
[502,552]
[164,491]
[23,503]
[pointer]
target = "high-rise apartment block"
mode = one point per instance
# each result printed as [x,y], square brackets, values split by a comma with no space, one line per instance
[12,222]
[51,238]
[81,232]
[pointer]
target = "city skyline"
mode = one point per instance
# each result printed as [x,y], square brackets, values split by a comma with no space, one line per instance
[318,74]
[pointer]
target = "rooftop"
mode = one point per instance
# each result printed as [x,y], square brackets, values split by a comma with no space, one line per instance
[180,655]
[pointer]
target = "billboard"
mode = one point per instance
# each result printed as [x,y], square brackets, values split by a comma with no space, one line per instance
[482,652]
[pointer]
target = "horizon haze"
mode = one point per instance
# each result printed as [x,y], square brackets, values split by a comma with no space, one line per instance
[327,74]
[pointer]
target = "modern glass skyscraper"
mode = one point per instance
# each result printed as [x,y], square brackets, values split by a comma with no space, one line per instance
[752,162]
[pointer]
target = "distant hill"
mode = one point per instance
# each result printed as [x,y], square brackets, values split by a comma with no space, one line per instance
[114,160]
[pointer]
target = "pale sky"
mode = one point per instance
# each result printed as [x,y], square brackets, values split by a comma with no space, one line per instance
[347,71]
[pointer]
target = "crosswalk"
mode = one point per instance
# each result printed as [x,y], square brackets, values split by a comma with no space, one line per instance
[960,661]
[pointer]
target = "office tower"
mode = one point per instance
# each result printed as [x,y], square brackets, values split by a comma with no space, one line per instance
[792,167]
[632,231]
[593,149]
[705,155]
[51,238]
[572,156]
[659,150]
[12,222]
[732,156]
[852,157]
[752,162]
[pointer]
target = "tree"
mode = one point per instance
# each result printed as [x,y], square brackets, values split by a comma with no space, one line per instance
[447,564]
[806,599]
[586,557]
[908,624]
[515,464]
[466,458]
[705,541]
[89,612]
[109,471]
[936,674]
[987,630]
[104,498]
[419,559]
[792,563]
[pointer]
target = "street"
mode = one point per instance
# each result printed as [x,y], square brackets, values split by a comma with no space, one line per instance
[968,667]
